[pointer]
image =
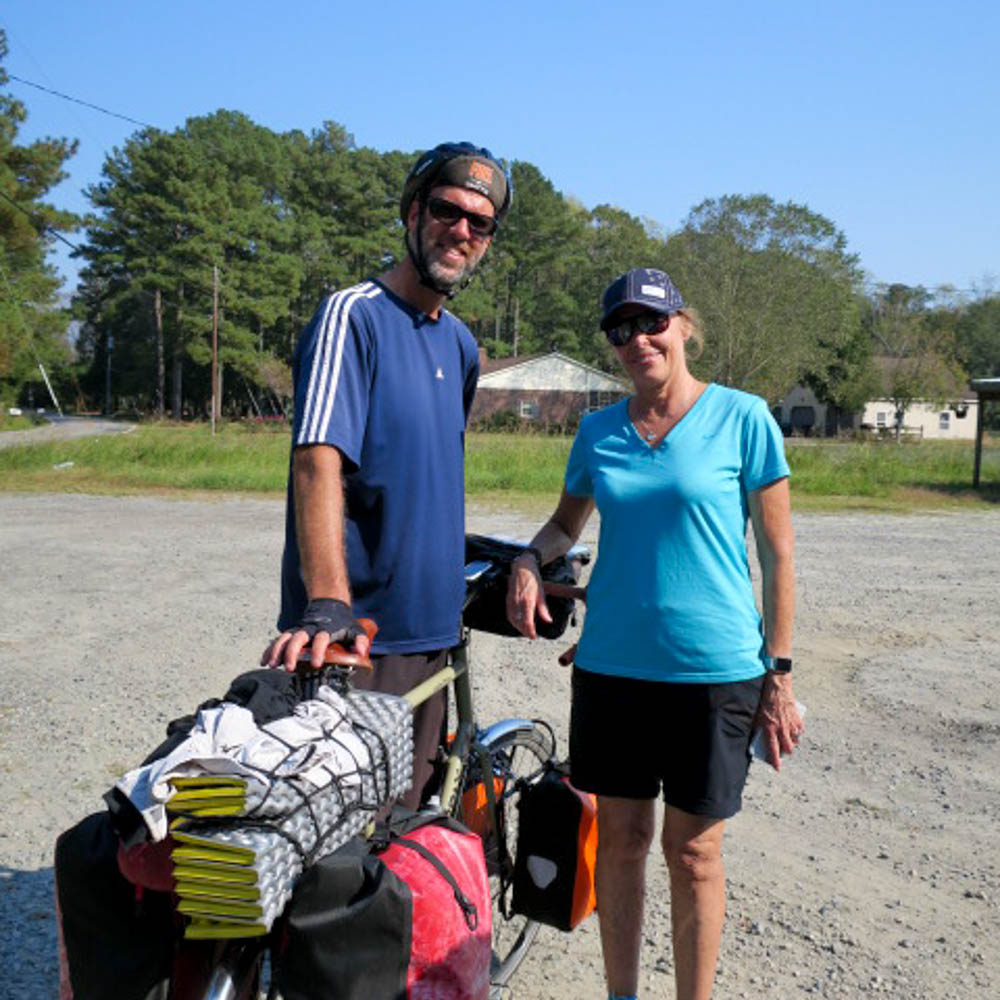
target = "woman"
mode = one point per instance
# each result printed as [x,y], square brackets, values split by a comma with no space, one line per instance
[675,667]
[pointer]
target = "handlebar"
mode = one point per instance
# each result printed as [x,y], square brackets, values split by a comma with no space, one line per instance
[565,590]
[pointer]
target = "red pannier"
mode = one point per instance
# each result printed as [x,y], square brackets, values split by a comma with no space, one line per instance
[406,916]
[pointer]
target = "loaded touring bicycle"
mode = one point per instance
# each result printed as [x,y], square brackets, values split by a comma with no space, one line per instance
[241,844]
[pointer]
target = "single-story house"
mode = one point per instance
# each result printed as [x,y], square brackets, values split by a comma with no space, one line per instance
[953,419]
[543,388]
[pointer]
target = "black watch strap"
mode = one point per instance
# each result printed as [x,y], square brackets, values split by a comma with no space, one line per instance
[778,664]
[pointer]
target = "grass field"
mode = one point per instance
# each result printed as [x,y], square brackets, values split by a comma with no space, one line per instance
[187,459]
[19,423]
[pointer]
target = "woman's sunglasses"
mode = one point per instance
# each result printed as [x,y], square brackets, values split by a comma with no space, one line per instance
[449,213]
[647,322]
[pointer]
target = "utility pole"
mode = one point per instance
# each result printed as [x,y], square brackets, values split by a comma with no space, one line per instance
[215,340]
[517,321]
[160,371]
[109,345]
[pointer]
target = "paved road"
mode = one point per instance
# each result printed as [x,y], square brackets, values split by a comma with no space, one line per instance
[64,429]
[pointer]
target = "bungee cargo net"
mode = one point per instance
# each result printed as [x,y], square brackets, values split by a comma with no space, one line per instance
[247,818]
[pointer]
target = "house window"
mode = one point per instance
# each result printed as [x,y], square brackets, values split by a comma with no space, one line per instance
[529,409]
[944,420]
[881,419]
[596,399]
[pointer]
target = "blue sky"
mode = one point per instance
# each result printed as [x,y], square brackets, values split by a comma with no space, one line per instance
[882,116]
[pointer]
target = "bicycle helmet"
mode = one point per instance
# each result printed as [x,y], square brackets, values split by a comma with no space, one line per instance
[456,164]
[459,164]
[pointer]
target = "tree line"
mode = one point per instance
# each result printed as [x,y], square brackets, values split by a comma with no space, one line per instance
[224,210]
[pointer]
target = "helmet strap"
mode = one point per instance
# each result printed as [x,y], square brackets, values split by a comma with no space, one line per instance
[417,256]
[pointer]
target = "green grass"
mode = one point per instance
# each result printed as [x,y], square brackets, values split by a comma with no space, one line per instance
[886,474]
[21,423]
[501,469]
[153,459]
[522,463]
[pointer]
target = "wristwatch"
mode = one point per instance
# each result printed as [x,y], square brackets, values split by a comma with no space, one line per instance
[778,664]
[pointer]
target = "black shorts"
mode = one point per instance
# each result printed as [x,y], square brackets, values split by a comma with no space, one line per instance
[628,737]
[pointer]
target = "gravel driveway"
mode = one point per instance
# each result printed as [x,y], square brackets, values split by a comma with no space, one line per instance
[870,865]
[64,429]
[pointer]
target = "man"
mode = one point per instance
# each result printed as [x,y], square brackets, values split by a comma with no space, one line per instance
[384,380]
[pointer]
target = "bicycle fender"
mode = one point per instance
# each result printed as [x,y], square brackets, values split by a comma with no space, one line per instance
[503,727]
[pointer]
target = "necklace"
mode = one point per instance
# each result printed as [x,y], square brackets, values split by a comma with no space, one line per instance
[664,422]
[647,432]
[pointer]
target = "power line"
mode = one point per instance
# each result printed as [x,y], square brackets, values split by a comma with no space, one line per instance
[45,226]
[77,100]
[73,246]
[211,144]
[188,283]
[136,121]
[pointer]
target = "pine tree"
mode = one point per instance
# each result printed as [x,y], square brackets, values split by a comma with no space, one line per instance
[32,329]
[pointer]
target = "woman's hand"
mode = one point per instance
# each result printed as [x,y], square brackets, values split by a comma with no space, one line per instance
[778,718]
[525,597]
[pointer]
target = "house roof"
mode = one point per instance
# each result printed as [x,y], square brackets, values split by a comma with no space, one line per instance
[548,372]
[491,365]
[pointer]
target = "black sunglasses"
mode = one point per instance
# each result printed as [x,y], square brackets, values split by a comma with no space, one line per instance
[449,213]
[647,322]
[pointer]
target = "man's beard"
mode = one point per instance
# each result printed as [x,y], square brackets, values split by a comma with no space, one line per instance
[447,279]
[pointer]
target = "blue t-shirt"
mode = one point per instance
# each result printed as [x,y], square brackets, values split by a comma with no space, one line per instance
[670,597]
[390,388]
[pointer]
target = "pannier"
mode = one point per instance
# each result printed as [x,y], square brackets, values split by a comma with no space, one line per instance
[115,942]
[405,916]
[487,612]
[556,852]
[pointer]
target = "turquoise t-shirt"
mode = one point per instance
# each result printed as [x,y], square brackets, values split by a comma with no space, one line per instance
[670,597]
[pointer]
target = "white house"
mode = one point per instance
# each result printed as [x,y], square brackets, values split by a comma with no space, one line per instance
[954,419]
[545,388]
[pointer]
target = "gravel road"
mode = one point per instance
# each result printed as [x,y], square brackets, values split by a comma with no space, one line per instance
[64,429]
[869,866]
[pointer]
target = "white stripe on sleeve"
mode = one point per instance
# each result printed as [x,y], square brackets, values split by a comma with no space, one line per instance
[324,375]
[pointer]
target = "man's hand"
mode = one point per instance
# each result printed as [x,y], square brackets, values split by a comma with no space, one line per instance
[325,621]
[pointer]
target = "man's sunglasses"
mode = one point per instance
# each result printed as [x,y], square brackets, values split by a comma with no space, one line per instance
[449,213]
[647,322]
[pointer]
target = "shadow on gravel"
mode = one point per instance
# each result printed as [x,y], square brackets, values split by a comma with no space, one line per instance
[28,948]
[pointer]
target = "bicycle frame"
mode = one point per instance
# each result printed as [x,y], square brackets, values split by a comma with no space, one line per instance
[456,674]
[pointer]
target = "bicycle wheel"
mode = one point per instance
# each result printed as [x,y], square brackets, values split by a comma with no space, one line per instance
[517,758]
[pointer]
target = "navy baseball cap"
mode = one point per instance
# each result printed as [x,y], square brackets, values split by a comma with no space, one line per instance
[642,286]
